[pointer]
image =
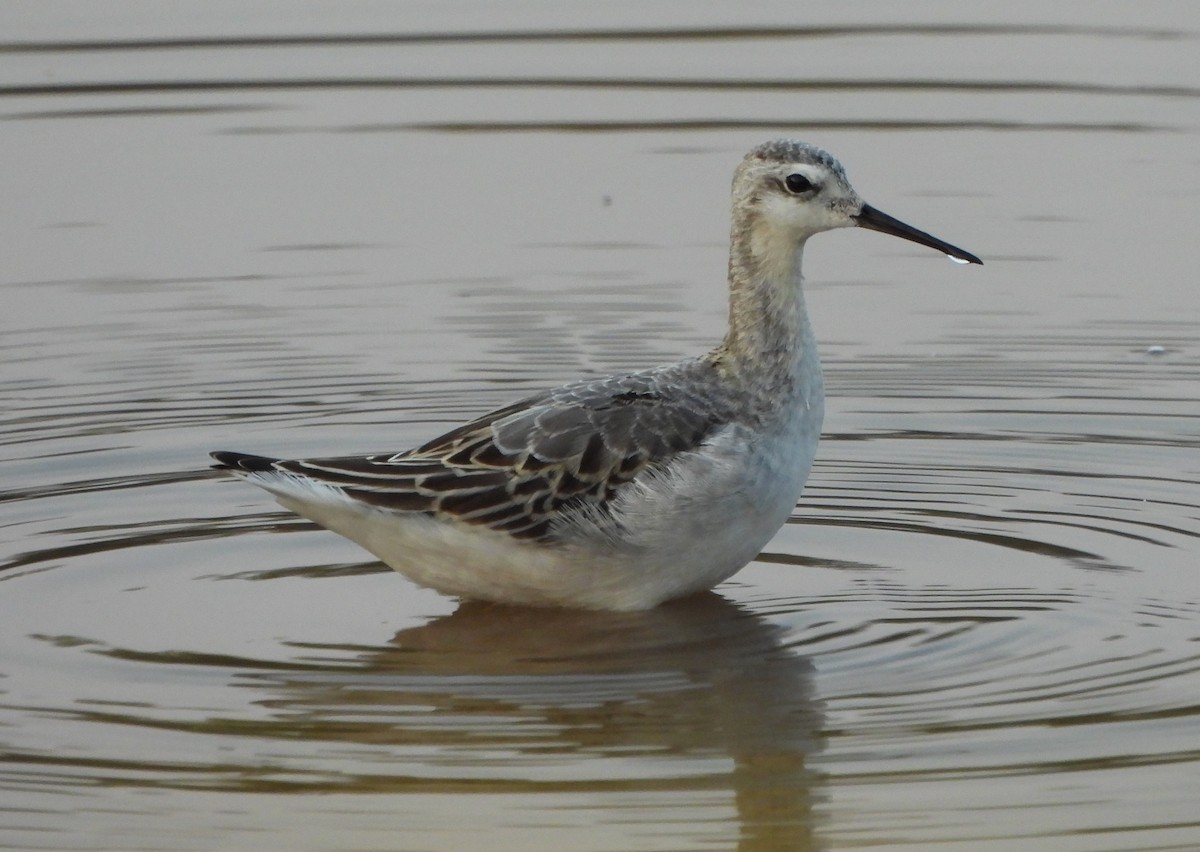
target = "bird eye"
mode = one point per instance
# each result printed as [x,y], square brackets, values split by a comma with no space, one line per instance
[797,183]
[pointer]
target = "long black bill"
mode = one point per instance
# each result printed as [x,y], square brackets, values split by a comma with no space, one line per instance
[885,224]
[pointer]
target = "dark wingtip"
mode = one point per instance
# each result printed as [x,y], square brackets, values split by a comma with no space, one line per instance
[244,462]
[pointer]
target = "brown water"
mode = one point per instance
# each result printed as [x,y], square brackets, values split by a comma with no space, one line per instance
[294,229]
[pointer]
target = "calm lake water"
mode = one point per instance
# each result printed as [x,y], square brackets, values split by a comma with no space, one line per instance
[299,228]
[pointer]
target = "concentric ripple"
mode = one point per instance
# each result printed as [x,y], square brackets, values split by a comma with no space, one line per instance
[980,629]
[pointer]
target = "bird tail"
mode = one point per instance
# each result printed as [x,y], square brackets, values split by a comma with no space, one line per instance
[242,462]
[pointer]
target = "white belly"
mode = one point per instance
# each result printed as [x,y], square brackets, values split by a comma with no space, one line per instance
[711,514]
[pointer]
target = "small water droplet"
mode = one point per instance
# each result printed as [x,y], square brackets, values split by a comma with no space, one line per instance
[954,259]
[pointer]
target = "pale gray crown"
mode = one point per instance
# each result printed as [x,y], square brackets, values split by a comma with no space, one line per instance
[791,151]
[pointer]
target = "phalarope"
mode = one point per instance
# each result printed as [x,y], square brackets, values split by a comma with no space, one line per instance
[620,492]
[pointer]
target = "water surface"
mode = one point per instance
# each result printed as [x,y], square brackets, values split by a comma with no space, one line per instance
[280,231]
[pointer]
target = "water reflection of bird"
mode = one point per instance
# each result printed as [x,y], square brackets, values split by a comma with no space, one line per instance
[620,492]
[690,707]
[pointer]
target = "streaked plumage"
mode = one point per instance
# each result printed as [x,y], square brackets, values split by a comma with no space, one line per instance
[621,492]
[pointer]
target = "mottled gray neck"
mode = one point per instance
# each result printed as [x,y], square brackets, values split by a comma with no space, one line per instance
[769,342]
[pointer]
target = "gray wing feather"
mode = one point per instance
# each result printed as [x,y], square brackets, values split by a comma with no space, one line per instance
[517,468]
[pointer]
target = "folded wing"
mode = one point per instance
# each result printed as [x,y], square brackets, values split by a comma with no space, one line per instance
[520,467]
